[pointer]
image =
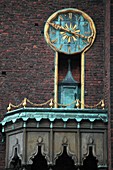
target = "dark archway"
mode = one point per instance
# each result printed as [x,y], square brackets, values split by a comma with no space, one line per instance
[90,163]
[39,161]
[16,162]
[64,162]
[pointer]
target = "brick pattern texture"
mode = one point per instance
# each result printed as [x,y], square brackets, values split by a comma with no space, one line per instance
[111,85]
[27,62]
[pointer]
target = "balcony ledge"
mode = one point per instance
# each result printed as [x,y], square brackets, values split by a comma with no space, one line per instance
[55,113]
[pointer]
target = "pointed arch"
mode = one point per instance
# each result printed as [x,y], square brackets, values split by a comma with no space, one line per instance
[39,151]
[65,150]
[39,161]
[90,163]
[16,158]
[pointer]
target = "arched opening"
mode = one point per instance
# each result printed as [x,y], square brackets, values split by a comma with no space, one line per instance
[90,163]
[15,162]
[39,161]
[64,162]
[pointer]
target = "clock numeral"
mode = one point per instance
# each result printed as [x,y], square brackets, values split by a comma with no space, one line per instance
[55,40]
[70,15]
[78,47]
[85,24]
[53,32]
[87,32]
[61,46]
[61,17]
[78,18]
[84,41]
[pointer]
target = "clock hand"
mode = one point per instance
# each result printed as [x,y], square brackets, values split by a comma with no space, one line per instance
[89,38]
[57,26]
[79,35]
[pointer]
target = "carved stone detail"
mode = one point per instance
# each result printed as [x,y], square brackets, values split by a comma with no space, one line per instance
[91,140]
[16,158]
[43,152]
[65,140]
[70,154]
[90,144]
[40,140]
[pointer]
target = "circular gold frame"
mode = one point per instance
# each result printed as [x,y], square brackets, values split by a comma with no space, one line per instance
[70,10]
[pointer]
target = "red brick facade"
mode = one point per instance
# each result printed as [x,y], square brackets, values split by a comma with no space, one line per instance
[111,85]
[27,62]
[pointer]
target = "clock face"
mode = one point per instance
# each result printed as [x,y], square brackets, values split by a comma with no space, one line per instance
[70,31]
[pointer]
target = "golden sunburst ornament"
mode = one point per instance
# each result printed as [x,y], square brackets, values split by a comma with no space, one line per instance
[68,35]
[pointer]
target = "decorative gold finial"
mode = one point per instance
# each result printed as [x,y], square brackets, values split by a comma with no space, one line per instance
[9,107]
[51,103]
[102,104]
[24,102]
[77,103]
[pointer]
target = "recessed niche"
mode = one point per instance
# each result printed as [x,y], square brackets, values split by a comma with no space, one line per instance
[4,73]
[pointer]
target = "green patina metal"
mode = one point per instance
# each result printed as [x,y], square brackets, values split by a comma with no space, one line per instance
[55,113]
[69,89]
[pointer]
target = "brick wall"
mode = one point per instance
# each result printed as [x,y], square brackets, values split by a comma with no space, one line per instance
[107,75]
[95,57]
[26,67]
[27,62]
[111,84]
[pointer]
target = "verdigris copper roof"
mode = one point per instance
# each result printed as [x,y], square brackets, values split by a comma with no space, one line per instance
[55,113]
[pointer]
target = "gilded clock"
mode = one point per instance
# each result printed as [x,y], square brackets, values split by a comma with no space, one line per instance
[70,31]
